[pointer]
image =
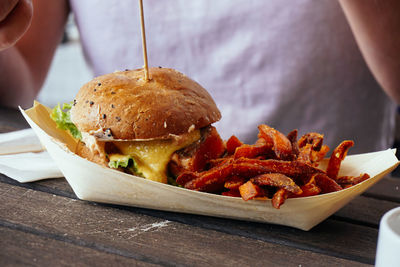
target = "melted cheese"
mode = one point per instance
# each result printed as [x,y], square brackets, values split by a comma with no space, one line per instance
[152,156]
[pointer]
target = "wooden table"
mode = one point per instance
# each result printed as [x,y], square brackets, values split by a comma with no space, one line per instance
[43,223]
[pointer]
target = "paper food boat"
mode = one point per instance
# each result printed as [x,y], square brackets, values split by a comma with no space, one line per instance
[96,183]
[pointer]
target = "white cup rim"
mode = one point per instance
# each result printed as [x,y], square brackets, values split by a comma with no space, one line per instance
[387,220]
[387,253]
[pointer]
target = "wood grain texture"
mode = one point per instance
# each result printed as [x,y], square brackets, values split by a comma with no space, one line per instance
[158,240]
[43,222]
[19,248]
[388,189]
[364,210]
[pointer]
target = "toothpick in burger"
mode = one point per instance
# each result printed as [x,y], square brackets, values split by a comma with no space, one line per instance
[154,129]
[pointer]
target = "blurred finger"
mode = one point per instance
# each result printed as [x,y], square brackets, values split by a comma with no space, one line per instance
[16,23]
[6,6]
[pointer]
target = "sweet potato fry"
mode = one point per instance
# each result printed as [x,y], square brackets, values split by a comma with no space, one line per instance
[232,193]
[249,190]
[305,154]
[279,198]
[252,167]
[326,183]
[211,180]
[309,189]
[280,143]
[311,150]
[319,155]
[234,182]
[275,166]
[352,180]
[186,177]
[247,151]
[211,148]
[292,137]
[195,157]
[310,156]
[345,180]
[361,178]
[261,147]
[315,139]
[338,154]
[232,143]
[277,180]
[215,162]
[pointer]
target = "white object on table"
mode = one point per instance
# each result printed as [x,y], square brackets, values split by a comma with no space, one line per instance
[18,161]
[19,142]
[388,250]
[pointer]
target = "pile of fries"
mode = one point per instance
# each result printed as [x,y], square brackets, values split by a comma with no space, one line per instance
[276,167]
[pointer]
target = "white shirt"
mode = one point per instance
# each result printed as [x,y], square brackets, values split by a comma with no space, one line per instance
[286,64]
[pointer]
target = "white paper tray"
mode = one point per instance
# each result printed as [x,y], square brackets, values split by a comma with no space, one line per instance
[96,183]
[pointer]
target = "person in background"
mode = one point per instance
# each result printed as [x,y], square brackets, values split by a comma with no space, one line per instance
[325,66]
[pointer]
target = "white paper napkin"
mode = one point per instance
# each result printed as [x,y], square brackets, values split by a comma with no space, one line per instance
[28,166]
[19,141]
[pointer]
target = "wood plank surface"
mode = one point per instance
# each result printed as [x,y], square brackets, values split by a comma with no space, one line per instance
[388,189]
[45,217]
[132,233]
[364,210]
[22,248]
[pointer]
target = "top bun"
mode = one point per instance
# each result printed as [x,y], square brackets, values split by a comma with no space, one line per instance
[132,108]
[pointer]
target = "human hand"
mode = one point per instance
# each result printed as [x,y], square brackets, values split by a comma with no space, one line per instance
[15,18]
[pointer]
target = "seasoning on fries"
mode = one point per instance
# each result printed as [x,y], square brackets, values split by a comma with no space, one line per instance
[275,167]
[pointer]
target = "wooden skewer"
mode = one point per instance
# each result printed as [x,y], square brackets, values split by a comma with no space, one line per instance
[146,65]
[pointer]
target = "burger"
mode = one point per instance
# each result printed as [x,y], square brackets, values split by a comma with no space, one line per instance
[155,129]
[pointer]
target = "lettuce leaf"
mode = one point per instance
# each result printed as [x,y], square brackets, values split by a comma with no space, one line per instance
[125,161]
[121,161]
[62,117]
[172,181]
